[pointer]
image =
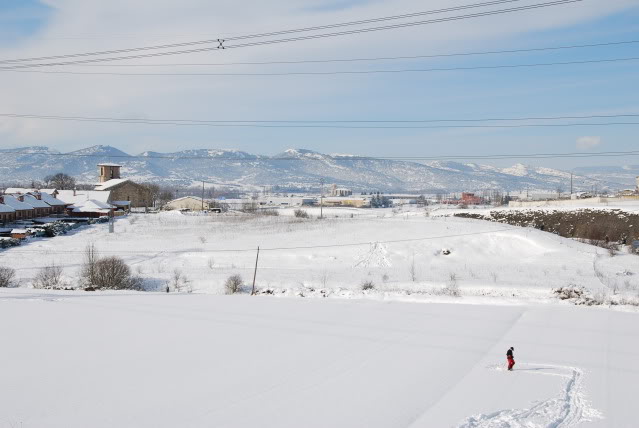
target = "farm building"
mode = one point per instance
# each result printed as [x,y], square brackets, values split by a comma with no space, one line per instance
[192,203]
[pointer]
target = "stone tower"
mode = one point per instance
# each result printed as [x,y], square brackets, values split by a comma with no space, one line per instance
[108,171]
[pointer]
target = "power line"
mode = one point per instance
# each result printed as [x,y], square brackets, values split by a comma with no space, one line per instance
[266,34]
[332,125]
[490,119]
[252,250]
[327,73]
[261,35]
[342,158]
[287,40]
[392,58]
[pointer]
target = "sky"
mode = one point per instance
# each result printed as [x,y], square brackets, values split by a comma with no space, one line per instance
[31,28]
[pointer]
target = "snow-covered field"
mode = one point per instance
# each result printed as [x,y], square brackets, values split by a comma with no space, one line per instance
[401,253]
[406,353]
[77,359]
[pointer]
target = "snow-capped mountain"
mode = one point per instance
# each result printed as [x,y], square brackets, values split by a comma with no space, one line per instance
[294,168]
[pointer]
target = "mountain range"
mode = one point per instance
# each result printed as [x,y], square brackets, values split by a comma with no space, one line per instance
[301,169]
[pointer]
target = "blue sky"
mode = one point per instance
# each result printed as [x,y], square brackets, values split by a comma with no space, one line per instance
[29,28]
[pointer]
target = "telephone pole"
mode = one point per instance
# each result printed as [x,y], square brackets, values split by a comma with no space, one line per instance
[202,195]
[571,184]
[321,198]
[257,257]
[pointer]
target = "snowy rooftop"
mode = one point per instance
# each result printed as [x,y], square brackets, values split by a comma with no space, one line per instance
[91,206]
[6,209]
[13,202]
[197,198]
[23,190]
[110,183]
[68,196]
[15,190]
[54,202]
[35,202]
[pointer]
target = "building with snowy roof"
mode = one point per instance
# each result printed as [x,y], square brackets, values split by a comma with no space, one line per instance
[23,211]
[40,208]
[7,213]
[91,208]
[127,193]
[57,206]
[192,203]
[23,190]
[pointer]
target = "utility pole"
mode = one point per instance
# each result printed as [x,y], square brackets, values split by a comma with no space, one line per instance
[202,195]
[255,272]
[321,198]
[111,222]
[571,184]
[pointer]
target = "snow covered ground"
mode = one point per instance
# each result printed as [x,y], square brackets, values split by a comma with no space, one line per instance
[78,359]
[372,358]
[401,253]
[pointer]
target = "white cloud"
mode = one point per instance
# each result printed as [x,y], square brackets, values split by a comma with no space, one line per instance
[84,26]
[586,143]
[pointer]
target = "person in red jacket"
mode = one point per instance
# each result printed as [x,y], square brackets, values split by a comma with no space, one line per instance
[511,358]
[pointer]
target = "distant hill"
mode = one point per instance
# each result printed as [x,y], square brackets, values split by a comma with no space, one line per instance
[301,169]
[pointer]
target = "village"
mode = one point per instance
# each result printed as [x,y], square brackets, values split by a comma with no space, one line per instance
[26,212]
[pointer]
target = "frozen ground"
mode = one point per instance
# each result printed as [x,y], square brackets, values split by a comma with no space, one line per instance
[78,359]
[363,359]
[401,253]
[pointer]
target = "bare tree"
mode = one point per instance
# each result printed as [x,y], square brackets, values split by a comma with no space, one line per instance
[7,276]
[60,181]
[412,269]
[233,284]
[164,197]
[88,268]
[49,277]
[153,193]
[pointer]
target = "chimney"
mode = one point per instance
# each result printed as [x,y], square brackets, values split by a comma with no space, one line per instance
[38,196]
[1,199]
[20,198]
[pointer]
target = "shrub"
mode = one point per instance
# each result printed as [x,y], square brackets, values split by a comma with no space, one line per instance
[112,273]
[180,282]
[249,207]
[109,273]
[452,288]
[270,212]
[49,277]
[299,213]
[9,242]
[7,276]
[233,284]
[368,285]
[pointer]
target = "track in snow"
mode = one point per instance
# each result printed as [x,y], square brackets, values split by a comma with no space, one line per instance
[567,409]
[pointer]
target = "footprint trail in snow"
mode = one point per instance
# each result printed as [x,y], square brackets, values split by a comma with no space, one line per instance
[567,409]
